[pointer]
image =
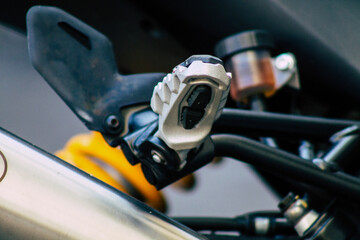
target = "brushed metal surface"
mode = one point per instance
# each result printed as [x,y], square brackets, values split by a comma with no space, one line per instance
[42,197]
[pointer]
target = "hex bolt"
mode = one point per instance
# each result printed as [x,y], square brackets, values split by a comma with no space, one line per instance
[112,122]
[284,62]
[157,157]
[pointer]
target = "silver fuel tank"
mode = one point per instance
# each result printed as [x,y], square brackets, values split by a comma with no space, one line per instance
[42,197]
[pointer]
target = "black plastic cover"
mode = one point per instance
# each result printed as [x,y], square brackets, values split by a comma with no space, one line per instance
[78,63]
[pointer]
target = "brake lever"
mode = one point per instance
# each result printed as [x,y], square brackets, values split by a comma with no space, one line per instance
[188,101]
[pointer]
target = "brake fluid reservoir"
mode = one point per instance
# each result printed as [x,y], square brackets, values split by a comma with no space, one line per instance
[247,56]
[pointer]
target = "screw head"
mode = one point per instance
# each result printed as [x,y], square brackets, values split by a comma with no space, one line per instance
[112,121]
[157,157]
[113,124]
[284,62]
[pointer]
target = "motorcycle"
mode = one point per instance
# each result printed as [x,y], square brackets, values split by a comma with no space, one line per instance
[187,125]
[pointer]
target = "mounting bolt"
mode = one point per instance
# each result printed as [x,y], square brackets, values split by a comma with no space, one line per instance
[157,157]
[113,124]
[284,62]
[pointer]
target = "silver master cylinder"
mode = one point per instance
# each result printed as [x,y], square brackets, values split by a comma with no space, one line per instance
[189,100]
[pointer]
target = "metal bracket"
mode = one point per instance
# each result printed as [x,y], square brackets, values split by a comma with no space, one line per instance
[160,164]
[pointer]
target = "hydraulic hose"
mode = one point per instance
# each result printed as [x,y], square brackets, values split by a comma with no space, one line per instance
[286,165]
[245,224]
[254,123]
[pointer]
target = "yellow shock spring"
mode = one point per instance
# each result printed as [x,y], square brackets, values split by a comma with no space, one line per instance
[92,154]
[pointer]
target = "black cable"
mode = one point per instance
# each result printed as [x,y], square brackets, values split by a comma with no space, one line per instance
[259,124]
[286,165]
[246,122]
[244,224]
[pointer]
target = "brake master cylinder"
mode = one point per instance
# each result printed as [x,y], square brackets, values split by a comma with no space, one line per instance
[247,56]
